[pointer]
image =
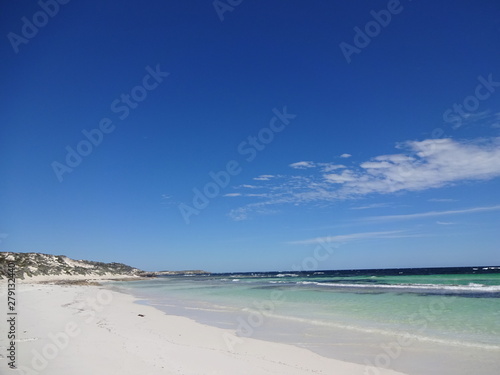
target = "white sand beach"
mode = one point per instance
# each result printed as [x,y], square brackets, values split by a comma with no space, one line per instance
[76,329]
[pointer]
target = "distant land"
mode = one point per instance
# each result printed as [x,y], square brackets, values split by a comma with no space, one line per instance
[29,265]
[39,264]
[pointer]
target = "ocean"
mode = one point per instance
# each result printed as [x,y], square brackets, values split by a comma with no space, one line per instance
[419,321]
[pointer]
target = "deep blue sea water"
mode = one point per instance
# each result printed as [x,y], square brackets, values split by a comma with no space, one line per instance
[446,315]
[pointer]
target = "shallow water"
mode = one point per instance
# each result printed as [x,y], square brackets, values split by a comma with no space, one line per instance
[418,323]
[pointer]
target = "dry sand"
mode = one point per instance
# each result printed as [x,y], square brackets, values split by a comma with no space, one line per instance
[74,329]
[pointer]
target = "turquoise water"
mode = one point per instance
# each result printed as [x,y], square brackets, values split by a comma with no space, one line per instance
[324,311]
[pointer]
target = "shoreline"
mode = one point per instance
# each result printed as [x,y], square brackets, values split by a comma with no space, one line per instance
[407,349]
[82,329]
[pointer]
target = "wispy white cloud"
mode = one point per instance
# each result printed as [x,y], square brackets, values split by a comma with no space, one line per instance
[484,118]
[433,213]
[264,177]
[344,176]
[430,164]
[243,213]
[444,222]
[421,165]
[167,200]
[325,167]
[246,195]
[328,167]
[303,165]
[369,206]
[246,186]
[442,200]
[345,156]
[353,236]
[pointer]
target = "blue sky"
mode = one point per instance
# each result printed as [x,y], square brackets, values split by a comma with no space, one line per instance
[255,136]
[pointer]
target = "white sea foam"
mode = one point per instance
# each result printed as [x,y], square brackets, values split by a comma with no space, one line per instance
[472,287]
